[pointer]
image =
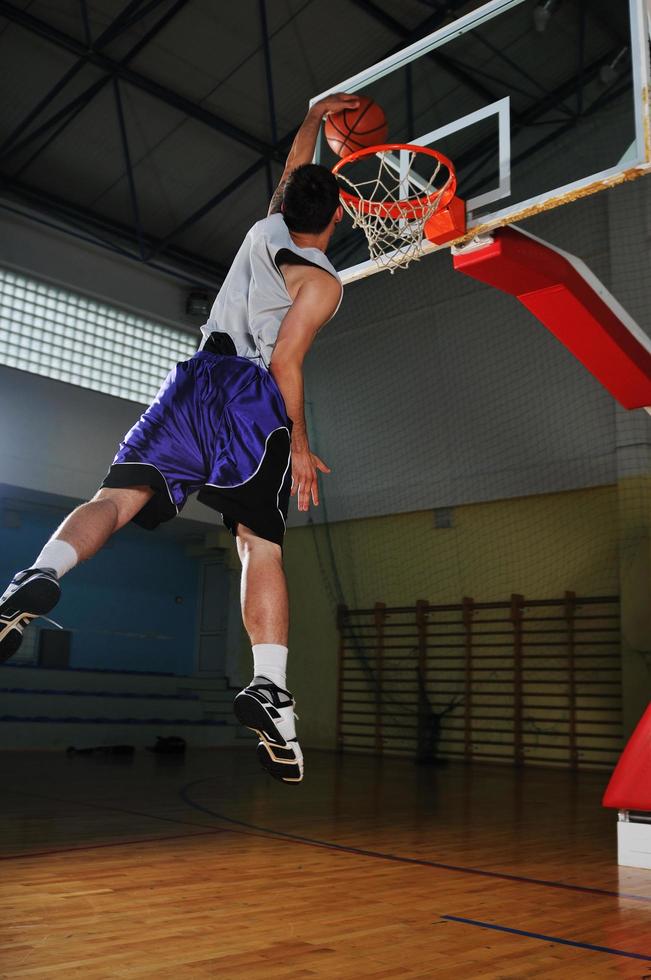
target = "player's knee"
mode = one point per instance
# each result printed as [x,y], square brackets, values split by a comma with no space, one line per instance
[123,503]
[250,544]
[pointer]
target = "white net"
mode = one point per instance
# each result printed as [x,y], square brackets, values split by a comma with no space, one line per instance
[392,202]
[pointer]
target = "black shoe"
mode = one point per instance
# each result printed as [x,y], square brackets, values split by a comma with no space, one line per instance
[30,594]
[268,710]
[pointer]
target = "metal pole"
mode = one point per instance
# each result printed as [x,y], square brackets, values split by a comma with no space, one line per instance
[468,611]
[409,94]
[570,612]
[579,74]
[380,614]
[72,108]
[262,6]
[112,31]
[91,222]
[342,612]
[84,19]
[64,113]
[127,161]
[517,603]
[38,108]
[153,88]
[208,206]
[424,710]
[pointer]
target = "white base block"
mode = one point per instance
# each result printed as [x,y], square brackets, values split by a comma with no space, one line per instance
[634,844]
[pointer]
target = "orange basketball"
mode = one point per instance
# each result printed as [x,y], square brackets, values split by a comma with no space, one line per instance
[353,129]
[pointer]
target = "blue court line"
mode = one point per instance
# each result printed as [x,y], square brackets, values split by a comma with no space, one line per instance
[547,939]
[185,791]
[270,833]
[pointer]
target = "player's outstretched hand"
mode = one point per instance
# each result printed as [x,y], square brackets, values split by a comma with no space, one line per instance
[336,102]
[304,479]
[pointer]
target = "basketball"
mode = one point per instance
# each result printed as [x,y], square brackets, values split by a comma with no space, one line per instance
[353,129]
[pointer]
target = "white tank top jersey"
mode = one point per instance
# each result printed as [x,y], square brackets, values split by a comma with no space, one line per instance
[253,300]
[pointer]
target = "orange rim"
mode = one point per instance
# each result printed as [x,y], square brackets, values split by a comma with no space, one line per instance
[412,207]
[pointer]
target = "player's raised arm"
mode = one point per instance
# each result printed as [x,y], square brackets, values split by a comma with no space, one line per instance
[315,302]
[302,150]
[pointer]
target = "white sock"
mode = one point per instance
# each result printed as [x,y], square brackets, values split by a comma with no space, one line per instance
[58,555]
[270,661]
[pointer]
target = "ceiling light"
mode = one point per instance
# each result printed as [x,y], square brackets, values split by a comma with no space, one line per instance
[542,14]
[610,73]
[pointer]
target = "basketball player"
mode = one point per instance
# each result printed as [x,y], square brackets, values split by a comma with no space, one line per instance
[230,424]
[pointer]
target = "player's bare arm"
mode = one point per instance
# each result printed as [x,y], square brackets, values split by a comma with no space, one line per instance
[316,297]
[302,149]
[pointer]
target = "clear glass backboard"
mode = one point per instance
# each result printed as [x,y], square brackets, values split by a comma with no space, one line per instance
[537,102]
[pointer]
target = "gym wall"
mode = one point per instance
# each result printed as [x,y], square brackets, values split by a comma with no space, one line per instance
[430,391]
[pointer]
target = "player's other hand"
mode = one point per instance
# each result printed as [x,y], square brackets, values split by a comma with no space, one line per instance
[336,102]
[304,477]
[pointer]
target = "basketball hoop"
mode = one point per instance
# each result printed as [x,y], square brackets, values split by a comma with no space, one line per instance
[396,206]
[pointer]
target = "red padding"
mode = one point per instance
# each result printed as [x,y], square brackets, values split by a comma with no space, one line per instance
[565,299]
[630,784]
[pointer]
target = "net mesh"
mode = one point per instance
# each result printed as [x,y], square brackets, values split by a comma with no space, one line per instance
[392,203]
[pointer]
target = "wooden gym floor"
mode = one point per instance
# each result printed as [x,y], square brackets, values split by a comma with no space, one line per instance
[205,867]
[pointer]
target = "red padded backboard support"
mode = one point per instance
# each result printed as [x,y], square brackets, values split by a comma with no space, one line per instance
[569,300]
[630,784]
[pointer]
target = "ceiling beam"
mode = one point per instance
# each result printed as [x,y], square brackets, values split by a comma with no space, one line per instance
[133,193]
[160,92]
[408,35]
[112,31]
[132,13]
[425,27]
[209,205]
[72,109]
[119,236]
[271,99]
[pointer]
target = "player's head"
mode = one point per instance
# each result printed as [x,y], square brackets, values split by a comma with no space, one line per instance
[310,199]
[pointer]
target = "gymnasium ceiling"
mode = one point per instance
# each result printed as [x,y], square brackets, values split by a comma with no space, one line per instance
[157,128]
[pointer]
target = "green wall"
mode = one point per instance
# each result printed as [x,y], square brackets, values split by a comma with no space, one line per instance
[538,546]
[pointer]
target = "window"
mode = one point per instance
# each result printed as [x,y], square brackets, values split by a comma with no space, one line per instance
[50,331]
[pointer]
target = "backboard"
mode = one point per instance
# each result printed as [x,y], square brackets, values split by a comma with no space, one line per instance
[537,102]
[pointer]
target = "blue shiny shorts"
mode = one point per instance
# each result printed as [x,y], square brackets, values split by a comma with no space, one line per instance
[218,426]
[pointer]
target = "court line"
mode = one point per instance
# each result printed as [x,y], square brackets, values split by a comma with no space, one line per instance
[116,809]
[267,833]
[385,856]
[111,843]
[548,939]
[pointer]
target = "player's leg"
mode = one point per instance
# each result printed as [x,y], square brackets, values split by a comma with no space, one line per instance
[35,591]
[265,604]
[90,526]
[265,706]
[249,484]
[159,461]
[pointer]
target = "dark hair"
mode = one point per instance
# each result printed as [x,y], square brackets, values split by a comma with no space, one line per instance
[310,198]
